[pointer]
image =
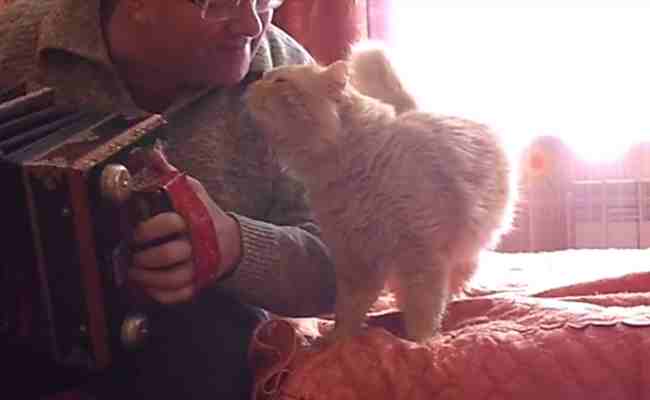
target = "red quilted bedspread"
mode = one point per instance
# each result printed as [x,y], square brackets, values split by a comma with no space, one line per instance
[586,340]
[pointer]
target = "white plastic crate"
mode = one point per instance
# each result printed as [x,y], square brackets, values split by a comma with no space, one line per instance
[610,214]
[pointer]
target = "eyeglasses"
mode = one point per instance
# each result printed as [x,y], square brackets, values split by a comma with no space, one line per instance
[226,10]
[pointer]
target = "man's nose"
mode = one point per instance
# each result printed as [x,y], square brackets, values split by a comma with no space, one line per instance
[248,21]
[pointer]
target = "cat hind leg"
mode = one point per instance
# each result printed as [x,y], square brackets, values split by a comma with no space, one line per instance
[422,292]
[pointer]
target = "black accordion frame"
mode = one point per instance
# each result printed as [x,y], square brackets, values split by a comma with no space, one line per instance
[61,308]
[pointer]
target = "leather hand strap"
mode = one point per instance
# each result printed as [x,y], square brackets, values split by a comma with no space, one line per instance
[206,254]
[205,245]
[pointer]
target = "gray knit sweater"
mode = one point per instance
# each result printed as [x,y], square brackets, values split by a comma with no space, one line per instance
[285,268]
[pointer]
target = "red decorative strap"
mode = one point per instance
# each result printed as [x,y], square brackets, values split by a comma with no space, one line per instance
[205,245]
[185,201]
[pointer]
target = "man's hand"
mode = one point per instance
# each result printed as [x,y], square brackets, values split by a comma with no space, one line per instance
[165,271]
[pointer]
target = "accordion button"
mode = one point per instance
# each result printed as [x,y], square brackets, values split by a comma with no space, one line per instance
[115,183]
[134,331]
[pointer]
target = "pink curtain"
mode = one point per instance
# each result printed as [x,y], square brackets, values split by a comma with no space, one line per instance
[380,19]
[328,27]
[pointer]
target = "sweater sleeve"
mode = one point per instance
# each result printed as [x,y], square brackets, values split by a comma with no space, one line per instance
[285,269]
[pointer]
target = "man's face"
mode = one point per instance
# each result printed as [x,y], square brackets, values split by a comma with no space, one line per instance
[198,51]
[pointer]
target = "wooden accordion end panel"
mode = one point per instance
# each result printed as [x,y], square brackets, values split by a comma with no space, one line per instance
[66,183]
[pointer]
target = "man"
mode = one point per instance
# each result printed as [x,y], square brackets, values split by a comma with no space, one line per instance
[146,56]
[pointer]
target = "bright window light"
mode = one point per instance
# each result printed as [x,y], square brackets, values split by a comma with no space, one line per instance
[579,70]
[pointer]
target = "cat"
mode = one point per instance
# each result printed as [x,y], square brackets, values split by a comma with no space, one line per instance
[372,73]
[408,197]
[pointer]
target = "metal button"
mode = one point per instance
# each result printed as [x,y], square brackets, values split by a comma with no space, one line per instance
[115,183]
[135,330]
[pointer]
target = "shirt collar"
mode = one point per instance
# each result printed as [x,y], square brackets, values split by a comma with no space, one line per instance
[75,26]
[263,59]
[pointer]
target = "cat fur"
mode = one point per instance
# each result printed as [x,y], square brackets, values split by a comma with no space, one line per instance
[411,198]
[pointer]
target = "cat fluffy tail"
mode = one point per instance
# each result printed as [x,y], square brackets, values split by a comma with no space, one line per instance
[374,75]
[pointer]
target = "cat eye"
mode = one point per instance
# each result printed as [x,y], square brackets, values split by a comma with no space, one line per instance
[228,10]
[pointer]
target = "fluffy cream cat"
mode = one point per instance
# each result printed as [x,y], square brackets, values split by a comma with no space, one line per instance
[410,198]
[373,74]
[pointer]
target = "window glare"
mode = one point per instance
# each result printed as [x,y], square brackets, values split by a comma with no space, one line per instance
[579,70]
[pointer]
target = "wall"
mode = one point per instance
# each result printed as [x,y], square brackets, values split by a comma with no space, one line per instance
[549,173]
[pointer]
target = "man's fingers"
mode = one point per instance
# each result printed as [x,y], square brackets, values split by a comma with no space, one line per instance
[171,297]
[158,227]
[173,278]
[164,255]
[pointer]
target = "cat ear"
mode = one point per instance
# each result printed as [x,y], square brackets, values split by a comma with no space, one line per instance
[338,75]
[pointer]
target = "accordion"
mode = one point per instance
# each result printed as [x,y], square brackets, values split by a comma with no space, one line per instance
[67,179]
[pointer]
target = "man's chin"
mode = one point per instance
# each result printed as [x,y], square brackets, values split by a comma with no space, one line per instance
[229,74]
[217,77]
[233,68]
[231,78]
[221,68]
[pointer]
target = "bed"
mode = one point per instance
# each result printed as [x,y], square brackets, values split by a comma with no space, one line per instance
[571,324]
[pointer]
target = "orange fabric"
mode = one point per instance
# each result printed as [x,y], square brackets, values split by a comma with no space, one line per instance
[506,346]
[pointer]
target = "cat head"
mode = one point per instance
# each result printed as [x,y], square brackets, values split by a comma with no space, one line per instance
[298,107]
